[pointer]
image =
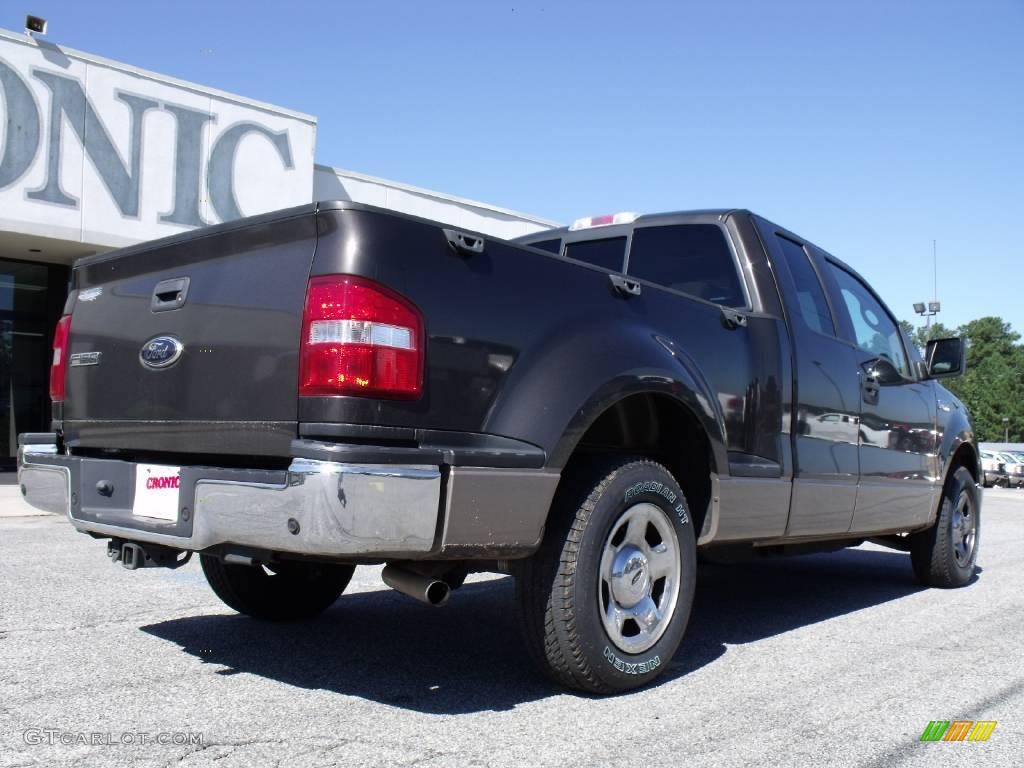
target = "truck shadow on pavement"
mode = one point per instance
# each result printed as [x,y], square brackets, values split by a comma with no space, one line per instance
[468,657]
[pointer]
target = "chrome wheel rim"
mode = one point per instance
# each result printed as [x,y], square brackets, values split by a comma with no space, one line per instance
[638,580]
[965,529]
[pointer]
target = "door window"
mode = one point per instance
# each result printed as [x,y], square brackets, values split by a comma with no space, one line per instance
[874,330]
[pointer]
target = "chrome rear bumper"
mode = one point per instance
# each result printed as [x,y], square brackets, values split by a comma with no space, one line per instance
[45,486]
[333,509]
[316,508]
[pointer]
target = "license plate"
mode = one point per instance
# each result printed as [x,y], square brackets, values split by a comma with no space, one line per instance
[156,491]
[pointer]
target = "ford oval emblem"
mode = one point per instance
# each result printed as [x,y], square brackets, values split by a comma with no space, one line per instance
[160,352]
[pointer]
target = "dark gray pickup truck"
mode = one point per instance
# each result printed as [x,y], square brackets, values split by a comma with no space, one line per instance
[298,393]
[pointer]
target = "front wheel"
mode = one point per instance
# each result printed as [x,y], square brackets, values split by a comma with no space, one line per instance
[280,591]
[945,554]
[605,601]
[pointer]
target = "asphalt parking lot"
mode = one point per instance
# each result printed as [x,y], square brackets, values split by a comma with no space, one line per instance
[824,659]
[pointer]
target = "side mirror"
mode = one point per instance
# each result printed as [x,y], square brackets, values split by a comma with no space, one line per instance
[946,358]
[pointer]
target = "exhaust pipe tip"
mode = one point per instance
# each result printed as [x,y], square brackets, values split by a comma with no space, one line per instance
[433,592]
[437,593]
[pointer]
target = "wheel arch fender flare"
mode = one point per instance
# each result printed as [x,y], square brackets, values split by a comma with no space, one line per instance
[956,434]
[671,372]
[630,383]
[585,371]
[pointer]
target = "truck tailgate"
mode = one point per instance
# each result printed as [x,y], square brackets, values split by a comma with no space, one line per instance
[238,324]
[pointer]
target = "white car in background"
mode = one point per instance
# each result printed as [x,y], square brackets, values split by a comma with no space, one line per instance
[993,470]
[1014,468]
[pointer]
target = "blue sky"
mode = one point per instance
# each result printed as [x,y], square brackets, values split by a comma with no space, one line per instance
[871,128]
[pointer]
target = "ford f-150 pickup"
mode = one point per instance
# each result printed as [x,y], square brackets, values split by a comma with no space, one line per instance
[586,408]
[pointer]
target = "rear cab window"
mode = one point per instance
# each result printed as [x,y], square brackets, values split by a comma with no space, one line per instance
[551,246]
[608,253]
[694,259]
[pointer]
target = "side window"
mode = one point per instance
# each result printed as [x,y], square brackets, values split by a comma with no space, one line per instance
[873,328]
[691,258]
[809,293]
[551,246]
[607,254]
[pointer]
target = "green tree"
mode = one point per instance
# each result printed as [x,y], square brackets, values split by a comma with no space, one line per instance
[993,387]
[921,335]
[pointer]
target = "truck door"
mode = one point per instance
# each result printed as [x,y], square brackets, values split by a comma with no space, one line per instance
[897,437]
[826,399]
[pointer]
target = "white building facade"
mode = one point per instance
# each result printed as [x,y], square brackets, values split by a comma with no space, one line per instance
[95,154]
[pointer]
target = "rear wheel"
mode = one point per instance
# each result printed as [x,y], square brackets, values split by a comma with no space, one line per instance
[945,554]
[605,601]
[278,592]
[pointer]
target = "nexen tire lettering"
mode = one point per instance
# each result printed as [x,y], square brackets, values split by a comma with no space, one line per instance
[170,481]
[640,668]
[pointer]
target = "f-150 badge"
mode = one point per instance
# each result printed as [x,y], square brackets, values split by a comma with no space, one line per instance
[85,358]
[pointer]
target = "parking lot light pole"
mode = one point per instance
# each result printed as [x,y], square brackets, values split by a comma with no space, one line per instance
[1006,430]
[933,308]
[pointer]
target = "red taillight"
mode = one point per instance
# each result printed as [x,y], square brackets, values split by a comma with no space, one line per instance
[359,338]
[59,365]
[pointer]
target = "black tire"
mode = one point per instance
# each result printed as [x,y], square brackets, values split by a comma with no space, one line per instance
[281,592]
[945,554]
[562,594]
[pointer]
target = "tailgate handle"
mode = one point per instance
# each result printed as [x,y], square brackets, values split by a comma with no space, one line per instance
[169,294]
[464,243]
